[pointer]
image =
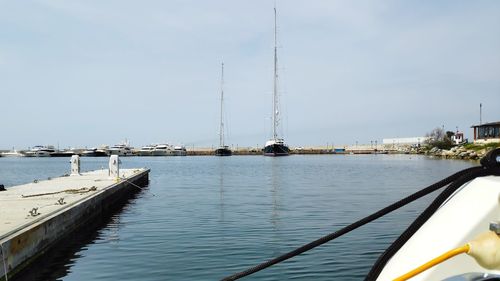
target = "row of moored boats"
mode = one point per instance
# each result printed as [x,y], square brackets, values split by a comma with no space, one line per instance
[120,149]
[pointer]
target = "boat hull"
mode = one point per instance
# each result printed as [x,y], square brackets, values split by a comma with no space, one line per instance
[223,151]
[145,153]
[11,154]
[62,154]
[95,154]
[162,152]
[37,154]
[276,150]
[120,152]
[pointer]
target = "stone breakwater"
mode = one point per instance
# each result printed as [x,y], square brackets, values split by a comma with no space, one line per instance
[458,152]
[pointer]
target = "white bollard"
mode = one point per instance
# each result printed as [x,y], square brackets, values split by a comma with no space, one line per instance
[75,165]
[114,166]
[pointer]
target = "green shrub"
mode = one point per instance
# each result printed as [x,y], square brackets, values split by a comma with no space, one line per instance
[477,146]
[442,144]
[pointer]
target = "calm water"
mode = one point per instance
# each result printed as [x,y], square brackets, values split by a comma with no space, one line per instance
[203,218]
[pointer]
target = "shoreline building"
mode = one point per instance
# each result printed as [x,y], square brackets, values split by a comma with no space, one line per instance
[458,138]
[487,132]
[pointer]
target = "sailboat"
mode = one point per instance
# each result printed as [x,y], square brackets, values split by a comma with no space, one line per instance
[222,150]
[275,146]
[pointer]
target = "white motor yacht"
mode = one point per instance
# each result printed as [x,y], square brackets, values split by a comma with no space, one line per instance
[163,150]
[40,151]
[180,150]
[95,152]
[12,153]
[146,150]
[122,149]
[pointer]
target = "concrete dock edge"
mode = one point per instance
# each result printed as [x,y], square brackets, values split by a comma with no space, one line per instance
[20,247]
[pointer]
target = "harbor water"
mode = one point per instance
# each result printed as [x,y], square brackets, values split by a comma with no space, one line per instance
[204,218]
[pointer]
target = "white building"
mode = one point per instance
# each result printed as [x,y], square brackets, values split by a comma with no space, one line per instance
[405,141]
[457,138]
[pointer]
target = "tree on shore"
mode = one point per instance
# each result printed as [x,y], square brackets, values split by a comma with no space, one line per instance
[439,138]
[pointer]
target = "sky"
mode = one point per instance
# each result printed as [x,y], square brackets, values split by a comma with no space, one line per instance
[83,73]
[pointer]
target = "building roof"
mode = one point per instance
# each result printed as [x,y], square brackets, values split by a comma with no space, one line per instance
[487,124]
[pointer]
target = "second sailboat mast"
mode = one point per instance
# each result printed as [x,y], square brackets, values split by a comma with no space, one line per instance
[275,85]
[221,132]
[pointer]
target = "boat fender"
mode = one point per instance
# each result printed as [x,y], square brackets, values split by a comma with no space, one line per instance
[485,249]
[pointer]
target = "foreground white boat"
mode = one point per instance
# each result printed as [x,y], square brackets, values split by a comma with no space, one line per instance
[463,217]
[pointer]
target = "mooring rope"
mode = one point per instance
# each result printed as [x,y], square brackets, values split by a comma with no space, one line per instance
[4,264]
[70,191]
[125,180]
[455,181]
[141,188]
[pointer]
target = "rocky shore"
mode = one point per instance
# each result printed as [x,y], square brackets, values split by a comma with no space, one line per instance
[466,152]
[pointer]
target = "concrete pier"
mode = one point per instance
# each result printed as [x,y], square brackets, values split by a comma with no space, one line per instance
[35,216]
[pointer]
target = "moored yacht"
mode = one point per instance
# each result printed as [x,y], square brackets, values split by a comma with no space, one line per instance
[222,150]
[95,152]
[122,149]
[12,153]
[40,151]
[146,150]
[163,150]
[63,153]
[276,146]
[180,150]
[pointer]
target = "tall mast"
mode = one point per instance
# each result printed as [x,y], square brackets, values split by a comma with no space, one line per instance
[221,129]
[275,88]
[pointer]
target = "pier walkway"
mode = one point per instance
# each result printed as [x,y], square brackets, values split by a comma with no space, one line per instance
[35,216]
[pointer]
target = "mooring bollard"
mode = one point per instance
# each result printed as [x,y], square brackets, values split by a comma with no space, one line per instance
[114,167]
[75,165]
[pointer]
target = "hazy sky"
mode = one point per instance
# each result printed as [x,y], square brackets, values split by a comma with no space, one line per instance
[85,73]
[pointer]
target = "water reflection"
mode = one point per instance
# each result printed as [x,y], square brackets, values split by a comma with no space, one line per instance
[276,179]
[204,224]
[221,168]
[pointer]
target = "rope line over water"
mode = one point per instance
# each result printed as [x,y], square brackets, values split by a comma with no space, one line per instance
[141,188]
[490,166]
